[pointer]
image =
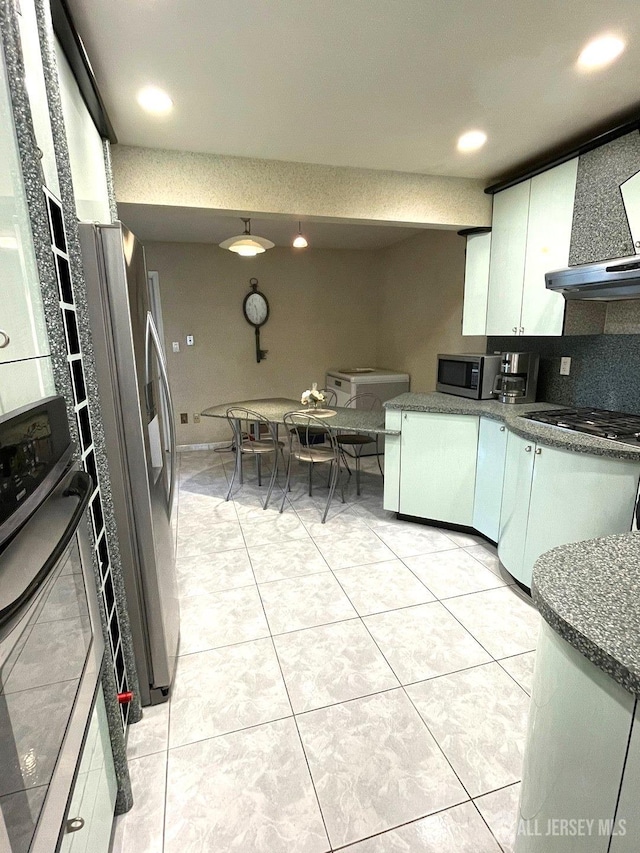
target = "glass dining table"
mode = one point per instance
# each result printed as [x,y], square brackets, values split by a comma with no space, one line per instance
[275,408]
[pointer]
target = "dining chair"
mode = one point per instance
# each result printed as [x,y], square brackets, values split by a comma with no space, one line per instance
[304,429]
[330,397]
[358,441]
[253,435]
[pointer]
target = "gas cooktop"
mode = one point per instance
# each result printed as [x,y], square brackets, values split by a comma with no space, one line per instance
[616,426]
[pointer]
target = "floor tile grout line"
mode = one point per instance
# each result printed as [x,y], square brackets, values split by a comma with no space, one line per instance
[435,740]
[284,681]
[486,823]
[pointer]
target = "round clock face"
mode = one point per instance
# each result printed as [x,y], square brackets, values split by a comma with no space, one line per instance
[256,309]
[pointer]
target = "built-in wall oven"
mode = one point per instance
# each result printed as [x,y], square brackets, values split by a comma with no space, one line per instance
[51,644]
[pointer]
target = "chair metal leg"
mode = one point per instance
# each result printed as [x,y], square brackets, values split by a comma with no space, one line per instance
[259,466]
[310,477]
[272,481]
[358,452]
[237,464]
[287,485]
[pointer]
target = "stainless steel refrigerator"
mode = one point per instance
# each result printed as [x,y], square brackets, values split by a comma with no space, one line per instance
[133,382]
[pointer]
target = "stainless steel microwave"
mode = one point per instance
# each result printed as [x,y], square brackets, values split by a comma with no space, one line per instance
[469,375]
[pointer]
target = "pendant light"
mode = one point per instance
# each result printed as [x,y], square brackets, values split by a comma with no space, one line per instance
[247,245]
[300,241]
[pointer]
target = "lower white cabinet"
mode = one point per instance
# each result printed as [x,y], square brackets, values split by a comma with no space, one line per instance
[492,449]
[90,815]
[553,496]
[393,421]
[627,826]
[438,466]
[579,724]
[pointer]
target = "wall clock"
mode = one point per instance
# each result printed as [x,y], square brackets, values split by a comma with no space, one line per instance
[256,312]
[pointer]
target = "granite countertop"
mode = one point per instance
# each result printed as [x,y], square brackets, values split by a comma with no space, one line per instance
[588,593]
[511,415]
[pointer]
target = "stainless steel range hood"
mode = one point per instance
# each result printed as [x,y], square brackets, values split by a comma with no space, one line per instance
[607,281]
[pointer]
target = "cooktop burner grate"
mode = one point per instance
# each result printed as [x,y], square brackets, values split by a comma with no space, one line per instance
[616,426]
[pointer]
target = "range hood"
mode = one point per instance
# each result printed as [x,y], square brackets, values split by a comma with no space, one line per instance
[608,280]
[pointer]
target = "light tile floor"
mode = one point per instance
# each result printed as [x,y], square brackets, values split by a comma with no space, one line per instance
[361,684]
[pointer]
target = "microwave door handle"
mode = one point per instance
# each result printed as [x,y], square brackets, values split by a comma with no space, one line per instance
[153,337]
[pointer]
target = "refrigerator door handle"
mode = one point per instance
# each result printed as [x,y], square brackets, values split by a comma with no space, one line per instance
[152,337]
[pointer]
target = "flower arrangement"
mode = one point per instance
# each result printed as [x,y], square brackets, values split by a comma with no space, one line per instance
[312,397]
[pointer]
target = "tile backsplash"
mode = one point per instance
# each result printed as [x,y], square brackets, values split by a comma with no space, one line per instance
[605,369]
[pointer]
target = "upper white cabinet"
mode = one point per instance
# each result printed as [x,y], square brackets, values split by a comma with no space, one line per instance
[548,240]
[476,284]
[508,251]
[531,235]
[23,332]
[438,466]
[631,197]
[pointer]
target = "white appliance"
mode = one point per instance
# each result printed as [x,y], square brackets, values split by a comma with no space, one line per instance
[385,384]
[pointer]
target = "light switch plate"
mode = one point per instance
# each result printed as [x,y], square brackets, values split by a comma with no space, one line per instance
[565,366]
[196,417]
[189,340]
[176,346]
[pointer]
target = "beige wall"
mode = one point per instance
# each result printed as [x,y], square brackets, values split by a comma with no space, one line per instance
[323,307]
[420,305]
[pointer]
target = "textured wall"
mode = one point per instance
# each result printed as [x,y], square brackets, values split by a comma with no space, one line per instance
[604,369]
[323,305]
[232,184]
[600,228]
[420,305]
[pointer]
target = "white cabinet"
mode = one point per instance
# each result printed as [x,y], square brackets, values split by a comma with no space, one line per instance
[476,284]
[90,815]
[492,449]
[554,496]
[579,724]
[23,330]
[548,240]
[627,828]
[631,197]
[508,250]
[438,466]
[531,235]
[391,500]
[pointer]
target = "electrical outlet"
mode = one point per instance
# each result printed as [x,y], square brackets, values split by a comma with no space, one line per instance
[176,346]
[565,366]
[184,418]
[196,417]
[190,340]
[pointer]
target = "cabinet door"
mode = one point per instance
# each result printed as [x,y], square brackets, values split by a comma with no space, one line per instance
[476,284]
[492,451]
[24,333]
[515,506]
[94,795]
[627,827]
[438,466]
[631,197]
[576,496]
[393,420]
[508,249]
[548,239]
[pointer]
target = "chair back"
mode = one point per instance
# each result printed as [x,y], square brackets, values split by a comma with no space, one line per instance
[306,430]
[367,401]
[248,426]
[330,397]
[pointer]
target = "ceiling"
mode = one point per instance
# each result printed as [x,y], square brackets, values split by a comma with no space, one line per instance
[197,225]
[364,83]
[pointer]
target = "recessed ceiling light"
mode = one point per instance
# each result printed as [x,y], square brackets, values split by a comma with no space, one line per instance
[154,100]
[600,52]
[472,140]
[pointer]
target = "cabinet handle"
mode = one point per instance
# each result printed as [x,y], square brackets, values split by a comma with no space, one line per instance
[527,449]
[502,429]
[405,417]
[515,330]
[75,824]
[538,450]
[522,330]
[5,340]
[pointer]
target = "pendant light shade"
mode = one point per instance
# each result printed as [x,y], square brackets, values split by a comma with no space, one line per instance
[248,245]
[300,241]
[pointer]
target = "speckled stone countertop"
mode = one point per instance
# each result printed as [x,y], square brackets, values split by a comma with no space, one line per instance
[588,593]
[511,415]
